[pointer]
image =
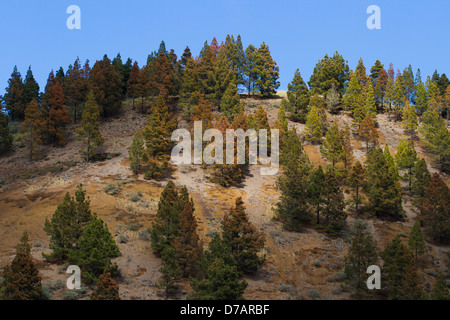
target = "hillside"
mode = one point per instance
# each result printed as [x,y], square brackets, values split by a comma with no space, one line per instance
[296,263]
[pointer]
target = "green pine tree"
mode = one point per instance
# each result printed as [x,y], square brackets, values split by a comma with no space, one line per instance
[416,241]
[332,148]
[136,152]
[95,250]
[243,238]
[222,283]
[67,224]
[89,132]
[362,254]
[440,291]
[406,157]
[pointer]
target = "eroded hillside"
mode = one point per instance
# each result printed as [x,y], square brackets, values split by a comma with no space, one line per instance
[296,263]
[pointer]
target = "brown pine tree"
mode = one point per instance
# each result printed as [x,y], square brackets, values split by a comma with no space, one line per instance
[435,210]
[368,132]
[58,115]
[32,128]
[187,244]
[133,82]
[203,113]
[21,279]
[107,288]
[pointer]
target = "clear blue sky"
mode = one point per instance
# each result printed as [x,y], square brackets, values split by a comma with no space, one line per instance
[298,32]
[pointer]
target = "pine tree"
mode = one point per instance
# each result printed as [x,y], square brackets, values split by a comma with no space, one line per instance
[298,93]
[106,84]
[75,89]
[164,227]
[107,288]
[399,272]
[133,82]
[250,73]
[421,178]
[161,78]
[89,132]
[389,93]
[230,102]
[410,123]
[217,249]
[390,160]
[243,238]
[267,72]
[21,279]
[314,126]
[206,74]
[421,104]
[362,254]
[281,123]
[416,241]
[353,98]
[67,224]
[95,250]
[436,136]
[399,97]
[224,74]
[189,86]
[30,87]
[32,128]
[156,134]
[383,188]
[6,138]
[332,148]
[406,158]
[58,115]
[327,71]
[333,99]
[440,291]
[14,97]
[293,206]
[368,132]
[203,113]
[187,244]
[360,71]
[333,204]
[142,88]
[371,108]
[222,283]
[435,210]
[347,147]
[357,182]
[316,190]
[170,272]
[226,174]
[136,152]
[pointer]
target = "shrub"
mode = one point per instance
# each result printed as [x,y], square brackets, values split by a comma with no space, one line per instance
[133,227]
[317,263]
[340,276]
[45,293]
[71,295]
[126,181]
[135,197]
[431,272]
[122,239]
[56,285]
[313,294]
[112,189]
[144,235]
[2,181]
[37,244]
